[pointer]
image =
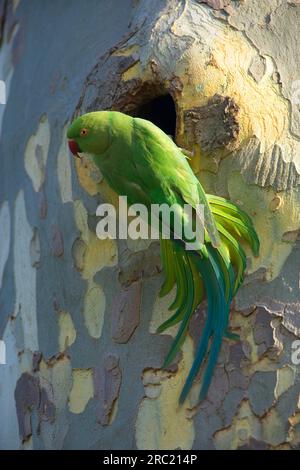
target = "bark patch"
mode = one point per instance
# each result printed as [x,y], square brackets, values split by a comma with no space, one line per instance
[126,313]
[214,125]
[30,396]
[107,383]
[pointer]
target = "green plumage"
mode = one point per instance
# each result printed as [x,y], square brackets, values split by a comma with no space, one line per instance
[138,160]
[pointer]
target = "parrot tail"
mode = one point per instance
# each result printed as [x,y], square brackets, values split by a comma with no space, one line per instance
[212,272]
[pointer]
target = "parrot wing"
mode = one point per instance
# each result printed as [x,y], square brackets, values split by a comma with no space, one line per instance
[171,172]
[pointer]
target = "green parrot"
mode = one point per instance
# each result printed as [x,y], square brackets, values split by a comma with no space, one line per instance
[138,160]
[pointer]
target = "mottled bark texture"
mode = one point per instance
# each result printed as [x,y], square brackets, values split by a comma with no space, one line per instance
[79,315]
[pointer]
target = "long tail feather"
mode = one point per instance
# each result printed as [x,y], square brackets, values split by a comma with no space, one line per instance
[215,272]
[216,318]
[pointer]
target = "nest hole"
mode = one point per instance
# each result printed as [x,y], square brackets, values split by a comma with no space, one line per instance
[161,111]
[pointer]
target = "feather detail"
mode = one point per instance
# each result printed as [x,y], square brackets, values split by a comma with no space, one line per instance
[214,272]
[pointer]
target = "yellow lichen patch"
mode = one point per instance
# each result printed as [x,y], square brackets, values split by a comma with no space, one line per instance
[82,390]
[94,309]
[263,111]
[273,428]
[269,123]
[269,224]
[98,253]
[276,203]
[28,444]
[64,172]
[199,82]
[90,178]
[93,255]
[294,432]
[88,174]
[133,72]
[67,332]
[161,313]
[160,416]
[36,153]
[81,220]
[244,426]
[56,378]
[221,64]
[285,380]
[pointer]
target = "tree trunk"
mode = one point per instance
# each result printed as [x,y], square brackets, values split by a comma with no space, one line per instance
[78,314]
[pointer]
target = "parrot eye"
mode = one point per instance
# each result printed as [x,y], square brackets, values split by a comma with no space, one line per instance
[83,132]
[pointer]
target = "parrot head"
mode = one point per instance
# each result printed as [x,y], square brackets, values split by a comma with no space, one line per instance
[90,133]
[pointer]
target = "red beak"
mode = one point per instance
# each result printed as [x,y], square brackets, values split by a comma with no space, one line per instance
[74,147]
